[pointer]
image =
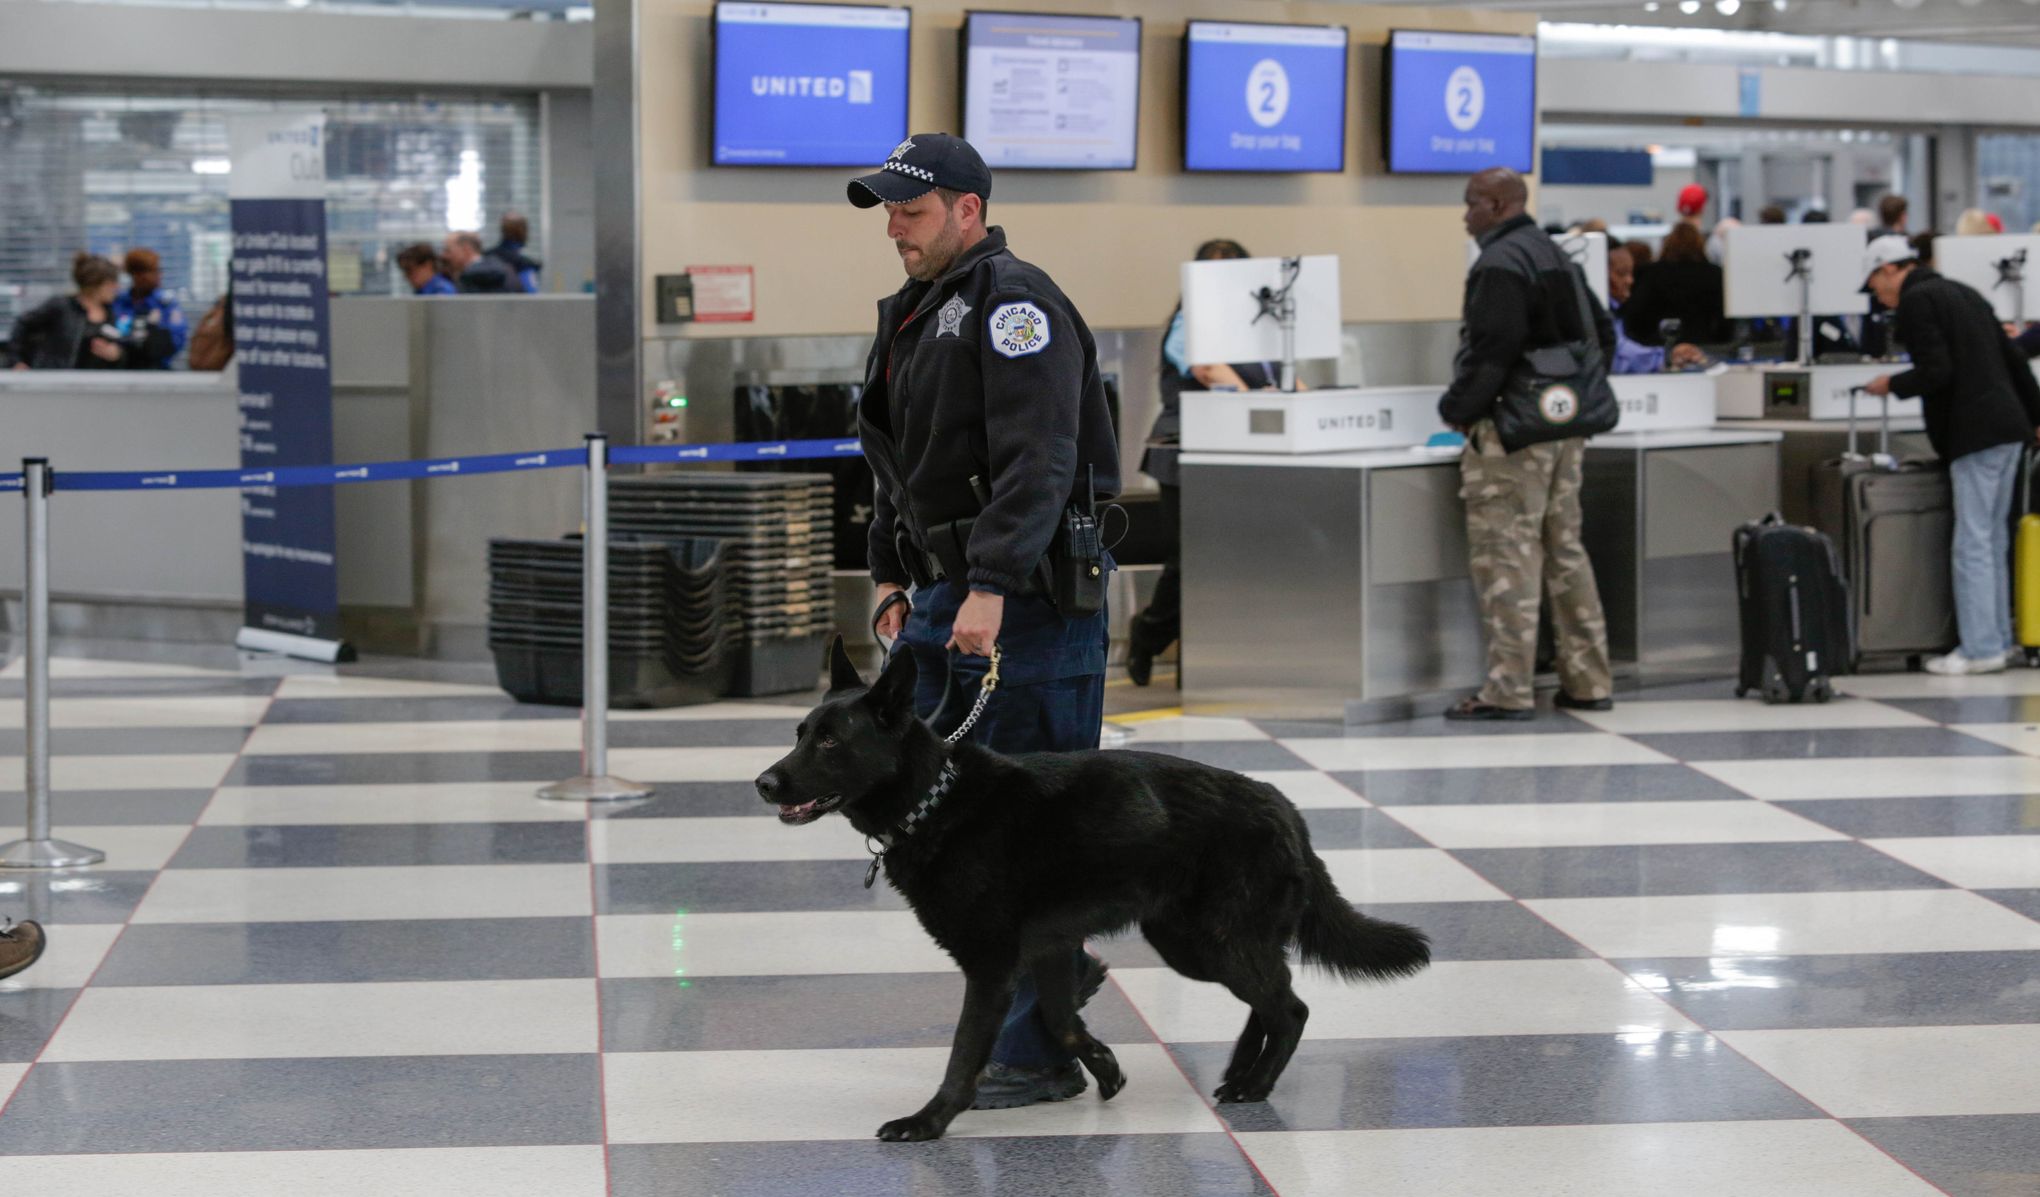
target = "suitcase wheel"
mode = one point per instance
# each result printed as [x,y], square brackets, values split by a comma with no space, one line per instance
[1820,690]
[1915,664]
[1775,689]
[2033,658]
[1742,691]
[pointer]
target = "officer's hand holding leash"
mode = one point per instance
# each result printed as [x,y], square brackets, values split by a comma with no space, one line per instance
[977,623]
[890,616]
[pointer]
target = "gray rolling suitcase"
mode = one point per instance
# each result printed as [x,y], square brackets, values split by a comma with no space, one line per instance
[1894,522]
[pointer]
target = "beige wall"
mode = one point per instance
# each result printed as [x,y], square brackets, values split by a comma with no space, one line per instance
[1111,240]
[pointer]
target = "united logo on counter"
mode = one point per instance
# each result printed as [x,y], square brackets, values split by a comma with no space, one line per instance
[1558,403]
[1019,329]
[949,321]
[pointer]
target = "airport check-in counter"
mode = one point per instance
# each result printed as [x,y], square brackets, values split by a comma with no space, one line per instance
[1809,407]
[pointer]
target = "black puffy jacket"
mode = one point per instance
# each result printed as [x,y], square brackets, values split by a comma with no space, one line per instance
[986,371]
[1975,388]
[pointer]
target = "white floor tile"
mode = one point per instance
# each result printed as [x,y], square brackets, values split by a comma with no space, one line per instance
[1972,861]
[1877,777]
[1190,729]
[736,837]
[1451,997]
[2019,737]
[506,735]
[1556,824]
[1309,789]
[412,1172]
[169,710]
[1748,1159]
[731,1097]
[72,953]
[1920,920]
[193,771]
[409,1018]
[769,711]
[1366,875]
[312,685]
[1473,752]
[694,764]
[452,802]
[68,668]
[760,945]
[1926,685]
[128,846]
[1735,715]
[317,895]
[10,1076]
[1894,1072]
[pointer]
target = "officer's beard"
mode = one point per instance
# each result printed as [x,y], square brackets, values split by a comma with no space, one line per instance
[938,255]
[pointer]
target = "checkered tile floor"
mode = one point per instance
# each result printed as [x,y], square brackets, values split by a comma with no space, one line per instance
[1691,946]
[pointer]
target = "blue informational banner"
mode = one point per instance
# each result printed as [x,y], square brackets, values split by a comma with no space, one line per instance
[809,84]
[281,328]
[1461,102]
[1264,97]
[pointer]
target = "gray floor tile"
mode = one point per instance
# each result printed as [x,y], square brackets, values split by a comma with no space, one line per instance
[28,1017]
[739,886]
[143,687]
[1655,869]
[1702,690]
[1504,1080]
[1977,1156]
[284,1105]
[402,768]
[1549,722]
[1076,1166]
[1968,814]
[345,952]
[437,708]
[383,844]
[79,808]
[1824,742]
[1242,755]
[684,799]
[1980,708]
[2025,901]
[1926,989]
[1358,828]
[1458,931]
[705,733]
[1565,783]
[75,896]
[778,1013]
[123,741]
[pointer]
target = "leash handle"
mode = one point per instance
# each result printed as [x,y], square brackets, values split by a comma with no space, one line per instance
[897,598]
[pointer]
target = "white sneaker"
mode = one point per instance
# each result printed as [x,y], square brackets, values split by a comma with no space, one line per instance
[1957,665]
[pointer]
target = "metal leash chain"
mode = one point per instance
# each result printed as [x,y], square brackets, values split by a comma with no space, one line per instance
[985,689]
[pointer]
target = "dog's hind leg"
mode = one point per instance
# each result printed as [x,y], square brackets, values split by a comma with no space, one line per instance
[985,998]
[1280,1015]
[1056,980]
[1247,1051]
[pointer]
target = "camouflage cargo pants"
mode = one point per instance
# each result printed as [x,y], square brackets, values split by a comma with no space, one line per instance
[1523,542]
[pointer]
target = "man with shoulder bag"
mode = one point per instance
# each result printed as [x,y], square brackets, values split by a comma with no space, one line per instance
[1530,383]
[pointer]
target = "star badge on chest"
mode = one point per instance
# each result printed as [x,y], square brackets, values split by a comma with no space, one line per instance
[949,321]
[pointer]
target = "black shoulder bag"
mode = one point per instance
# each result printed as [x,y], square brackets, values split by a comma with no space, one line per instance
[1558,391]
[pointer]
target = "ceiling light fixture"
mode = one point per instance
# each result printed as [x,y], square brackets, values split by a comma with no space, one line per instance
[1689,7]
[1727,8]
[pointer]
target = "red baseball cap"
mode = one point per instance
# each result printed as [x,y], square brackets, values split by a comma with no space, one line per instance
[1692,198]
[1997,224]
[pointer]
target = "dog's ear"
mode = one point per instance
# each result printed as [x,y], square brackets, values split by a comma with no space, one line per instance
[892,695]
[842,674]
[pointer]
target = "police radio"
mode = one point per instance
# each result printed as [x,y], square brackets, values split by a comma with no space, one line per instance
[1078,557]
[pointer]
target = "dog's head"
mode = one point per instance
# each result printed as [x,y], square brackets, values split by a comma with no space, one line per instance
[847,746]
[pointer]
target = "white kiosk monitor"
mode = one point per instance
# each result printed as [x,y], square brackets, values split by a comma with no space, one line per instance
[2003,269]
[1231,310]
[1762,278]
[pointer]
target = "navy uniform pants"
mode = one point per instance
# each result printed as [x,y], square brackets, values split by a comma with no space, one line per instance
[1051,698]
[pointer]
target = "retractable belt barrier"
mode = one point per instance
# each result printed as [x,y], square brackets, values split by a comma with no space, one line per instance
[36,482]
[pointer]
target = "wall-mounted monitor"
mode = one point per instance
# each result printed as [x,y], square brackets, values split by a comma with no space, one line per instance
[1046,91]
[809,84]
[1457,103]
[1264,97]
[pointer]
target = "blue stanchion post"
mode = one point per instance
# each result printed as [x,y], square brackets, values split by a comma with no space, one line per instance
[594,784]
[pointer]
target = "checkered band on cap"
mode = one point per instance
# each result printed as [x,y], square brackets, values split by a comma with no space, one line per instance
[912,172]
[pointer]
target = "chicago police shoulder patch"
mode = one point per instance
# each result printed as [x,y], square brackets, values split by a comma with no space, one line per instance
[1019,329]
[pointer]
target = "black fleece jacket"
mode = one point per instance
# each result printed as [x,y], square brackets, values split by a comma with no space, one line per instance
[1974,386]
[1520,295]
[987,371]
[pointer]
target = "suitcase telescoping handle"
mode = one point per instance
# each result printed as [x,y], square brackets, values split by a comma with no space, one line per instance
[1883,424]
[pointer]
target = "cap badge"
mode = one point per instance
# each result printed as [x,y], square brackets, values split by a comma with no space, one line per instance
[901,150]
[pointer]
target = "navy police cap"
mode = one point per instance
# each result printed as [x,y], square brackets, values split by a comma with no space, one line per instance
[919,165]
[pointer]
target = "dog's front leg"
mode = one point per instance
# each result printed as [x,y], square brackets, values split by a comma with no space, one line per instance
[985,1000]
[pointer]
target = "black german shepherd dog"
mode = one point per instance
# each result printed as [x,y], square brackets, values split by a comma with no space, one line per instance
[1013,862]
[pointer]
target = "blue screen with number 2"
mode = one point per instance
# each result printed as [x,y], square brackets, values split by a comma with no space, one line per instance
[1461,102]
[1265,98]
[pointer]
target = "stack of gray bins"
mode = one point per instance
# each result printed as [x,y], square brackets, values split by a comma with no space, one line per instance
[778,551]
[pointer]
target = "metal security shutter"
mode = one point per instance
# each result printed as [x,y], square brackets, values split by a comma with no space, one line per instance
[113,166]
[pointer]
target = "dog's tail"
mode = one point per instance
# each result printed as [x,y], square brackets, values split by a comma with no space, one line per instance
[1335,936]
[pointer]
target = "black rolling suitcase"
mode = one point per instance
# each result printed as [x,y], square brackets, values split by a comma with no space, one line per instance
[1795,612]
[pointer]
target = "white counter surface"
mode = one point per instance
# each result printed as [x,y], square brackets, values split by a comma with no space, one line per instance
[1365,459]
[118,382]
[1692,438]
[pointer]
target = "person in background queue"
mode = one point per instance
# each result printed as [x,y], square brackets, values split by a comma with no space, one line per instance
[1681,285]
[1981,405]
[510,251]
[149,317]
[1523,508]
[475,272]
[1631,357]
[983,416]
[421,269]
[1157,627]
[77,331]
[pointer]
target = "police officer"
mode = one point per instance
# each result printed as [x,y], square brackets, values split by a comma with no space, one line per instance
[983,417]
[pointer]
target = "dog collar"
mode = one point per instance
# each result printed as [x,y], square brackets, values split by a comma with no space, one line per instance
[912,823]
